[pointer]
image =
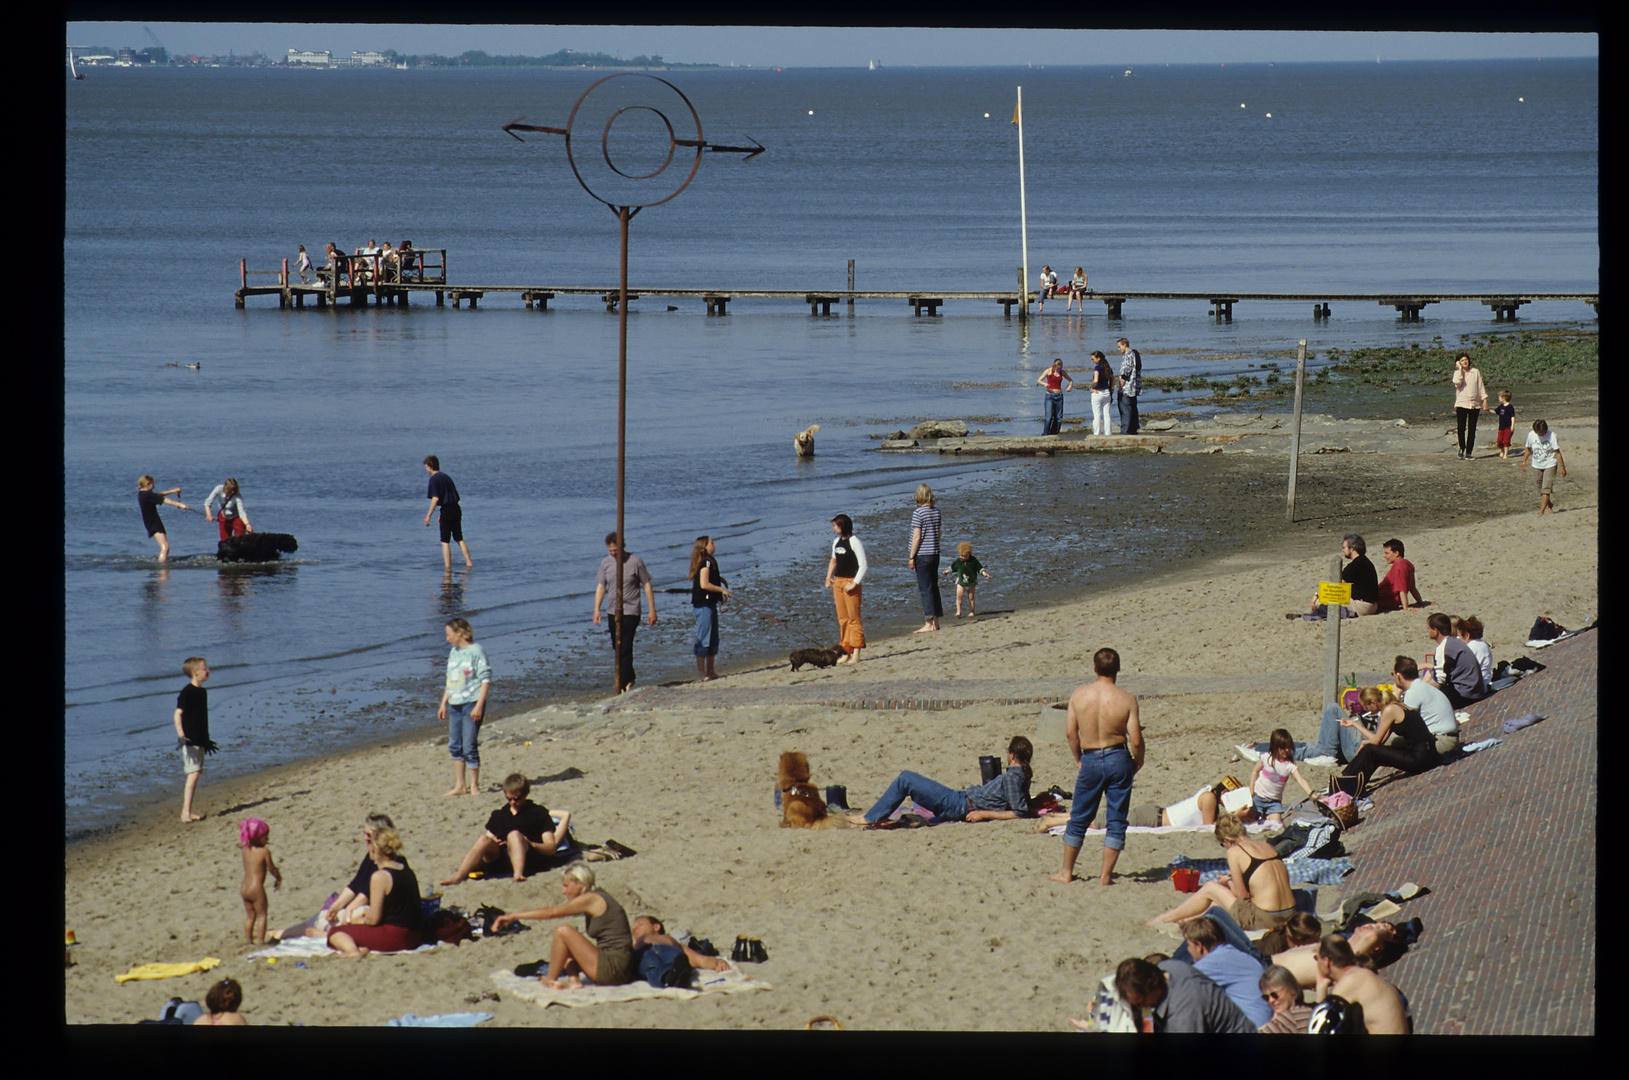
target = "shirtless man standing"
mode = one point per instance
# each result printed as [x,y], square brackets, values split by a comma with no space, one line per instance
[1340,974]
[1107,741]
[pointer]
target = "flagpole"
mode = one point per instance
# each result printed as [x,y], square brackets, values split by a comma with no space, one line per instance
[1023,209]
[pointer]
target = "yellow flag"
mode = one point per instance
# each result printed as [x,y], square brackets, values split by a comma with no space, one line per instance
[1015,113]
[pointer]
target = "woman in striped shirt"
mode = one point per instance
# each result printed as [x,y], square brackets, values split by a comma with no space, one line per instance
[924,556]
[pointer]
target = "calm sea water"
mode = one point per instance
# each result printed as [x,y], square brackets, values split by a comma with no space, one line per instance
[1451,177]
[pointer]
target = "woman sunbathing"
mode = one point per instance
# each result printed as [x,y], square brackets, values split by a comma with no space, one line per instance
[605,953]
[1007,796]
[1197,809]
[1256,891]
[1376,945]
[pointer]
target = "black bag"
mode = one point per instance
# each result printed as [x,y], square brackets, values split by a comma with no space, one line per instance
[1545,629]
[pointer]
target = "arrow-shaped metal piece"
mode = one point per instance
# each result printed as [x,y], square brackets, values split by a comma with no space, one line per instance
[515,125]
[751,151]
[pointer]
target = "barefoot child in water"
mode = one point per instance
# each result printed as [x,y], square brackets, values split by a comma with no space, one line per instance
[257,863]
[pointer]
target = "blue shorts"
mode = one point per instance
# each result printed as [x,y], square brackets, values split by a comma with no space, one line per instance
[1266,806]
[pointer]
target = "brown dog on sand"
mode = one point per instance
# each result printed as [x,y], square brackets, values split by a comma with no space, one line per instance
[803,441]
[815,657]
[801,804]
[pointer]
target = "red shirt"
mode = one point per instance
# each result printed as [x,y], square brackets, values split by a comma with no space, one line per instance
[1397,585]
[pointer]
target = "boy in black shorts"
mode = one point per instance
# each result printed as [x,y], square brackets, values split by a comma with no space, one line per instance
[444,493]
[192,729]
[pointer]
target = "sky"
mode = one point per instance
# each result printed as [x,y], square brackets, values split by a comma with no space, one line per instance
[827,46]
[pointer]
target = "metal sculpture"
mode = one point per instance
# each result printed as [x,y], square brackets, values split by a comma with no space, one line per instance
[626,189]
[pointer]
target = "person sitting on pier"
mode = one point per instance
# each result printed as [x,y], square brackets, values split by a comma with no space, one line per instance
[1077,289]
[387,263]
[1049,287]
[362,268]
[406,259]
[336,266]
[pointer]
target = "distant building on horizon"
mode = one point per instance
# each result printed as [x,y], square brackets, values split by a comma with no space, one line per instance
[326,58]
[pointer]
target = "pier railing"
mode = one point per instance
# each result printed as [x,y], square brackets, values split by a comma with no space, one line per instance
[425,270]
[357,278]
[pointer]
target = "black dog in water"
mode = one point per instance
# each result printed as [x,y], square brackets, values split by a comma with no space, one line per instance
[815,657]
[255,547]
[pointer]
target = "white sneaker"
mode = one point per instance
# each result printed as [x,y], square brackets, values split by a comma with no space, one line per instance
[1322,761]
[1247,752]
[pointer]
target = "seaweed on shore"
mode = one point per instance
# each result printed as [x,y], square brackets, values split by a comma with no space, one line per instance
[1527,357]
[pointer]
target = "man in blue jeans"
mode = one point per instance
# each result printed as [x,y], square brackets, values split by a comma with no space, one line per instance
[1107,740]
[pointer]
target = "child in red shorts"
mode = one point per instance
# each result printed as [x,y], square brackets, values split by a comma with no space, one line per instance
[1507,414]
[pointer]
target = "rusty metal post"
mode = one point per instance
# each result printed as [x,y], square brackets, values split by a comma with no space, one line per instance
[625,210]
[1295,432]
[622,448]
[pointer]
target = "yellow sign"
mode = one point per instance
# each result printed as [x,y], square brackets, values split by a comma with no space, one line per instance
[1334,592]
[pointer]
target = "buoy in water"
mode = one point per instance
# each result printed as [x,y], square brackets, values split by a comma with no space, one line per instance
[255,547]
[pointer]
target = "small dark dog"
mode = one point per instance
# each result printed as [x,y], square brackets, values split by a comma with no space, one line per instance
[815,657]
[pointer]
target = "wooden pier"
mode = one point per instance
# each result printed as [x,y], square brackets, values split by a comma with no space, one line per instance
[367,278]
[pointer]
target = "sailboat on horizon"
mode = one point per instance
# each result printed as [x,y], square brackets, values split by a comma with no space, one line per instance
[72,67]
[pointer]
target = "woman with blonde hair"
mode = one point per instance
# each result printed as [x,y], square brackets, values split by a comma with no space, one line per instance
[603,950]
[1077,289]
[924,556]
[1255,891]
[394,918]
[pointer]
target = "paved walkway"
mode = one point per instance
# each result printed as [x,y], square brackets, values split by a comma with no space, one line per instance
[838,691]
[1505,840]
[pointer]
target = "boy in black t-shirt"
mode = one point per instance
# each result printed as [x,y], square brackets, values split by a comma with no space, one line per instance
[192,729]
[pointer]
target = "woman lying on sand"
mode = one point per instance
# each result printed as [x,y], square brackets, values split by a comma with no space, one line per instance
[1007,796]
[1376,944]
[1256,892]
[605,953]
[1197,809]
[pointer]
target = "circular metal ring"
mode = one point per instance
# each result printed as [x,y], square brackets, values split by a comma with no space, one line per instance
[605,151]
[605,143]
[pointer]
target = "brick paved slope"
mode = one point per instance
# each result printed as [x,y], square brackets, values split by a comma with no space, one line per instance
[1505,841]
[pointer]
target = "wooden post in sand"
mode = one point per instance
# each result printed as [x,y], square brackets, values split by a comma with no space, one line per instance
[1332,641]
[1295,431]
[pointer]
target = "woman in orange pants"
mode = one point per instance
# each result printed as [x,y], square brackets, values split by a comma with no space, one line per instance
[843,576]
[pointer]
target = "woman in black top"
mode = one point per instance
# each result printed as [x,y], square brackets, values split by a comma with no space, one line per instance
[707,585]
[1417,753]
[394,919]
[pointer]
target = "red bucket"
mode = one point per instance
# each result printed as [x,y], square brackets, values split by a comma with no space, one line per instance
[1185,879]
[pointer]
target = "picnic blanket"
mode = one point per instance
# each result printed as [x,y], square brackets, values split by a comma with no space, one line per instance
[304,948]
[1254,827]
[707,982]
[463,1019]
[1301,868]
[166,971]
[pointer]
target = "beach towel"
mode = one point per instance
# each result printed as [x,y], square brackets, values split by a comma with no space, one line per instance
[1516,723]
[166,971]
[441,1020]
[707,982]
[1157,830]
[1301,868]
[304,948]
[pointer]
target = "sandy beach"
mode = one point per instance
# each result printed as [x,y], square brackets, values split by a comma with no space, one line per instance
[948,928]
